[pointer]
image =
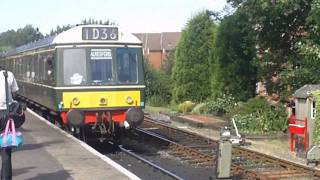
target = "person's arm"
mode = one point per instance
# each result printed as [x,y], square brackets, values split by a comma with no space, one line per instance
[14,87]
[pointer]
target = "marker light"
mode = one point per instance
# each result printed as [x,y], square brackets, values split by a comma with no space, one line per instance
[76,101]
[129,100]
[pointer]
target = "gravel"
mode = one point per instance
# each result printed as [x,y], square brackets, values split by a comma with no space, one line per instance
[277,147]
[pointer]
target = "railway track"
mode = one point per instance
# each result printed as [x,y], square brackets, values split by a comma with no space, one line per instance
[151,164]
[201,151]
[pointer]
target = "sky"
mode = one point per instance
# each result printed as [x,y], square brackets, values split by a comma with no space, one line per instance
[134,15]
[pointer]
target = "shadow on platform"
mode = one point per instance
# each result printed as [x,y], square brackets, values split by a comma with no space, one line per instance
[61,175]
[27,147]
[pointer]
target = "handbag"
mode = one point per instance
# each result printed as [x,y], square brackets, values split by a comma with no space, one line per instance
[14,111]
[10,137]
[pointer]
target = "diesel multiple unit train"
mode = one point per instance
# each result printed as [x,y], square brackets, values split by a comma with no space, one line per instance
[89,79]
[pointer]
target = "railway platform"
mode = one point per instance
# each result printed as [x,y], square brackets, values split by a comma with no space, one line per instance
[50,153]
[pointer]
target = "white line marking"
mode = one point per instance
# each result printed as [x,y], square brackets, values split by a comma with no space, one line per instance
[89,148]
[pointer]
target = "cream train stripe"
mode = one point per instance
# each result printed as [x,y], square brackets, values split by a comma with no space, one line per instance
[86,87]
[70,46]
[105,45]
[90,149]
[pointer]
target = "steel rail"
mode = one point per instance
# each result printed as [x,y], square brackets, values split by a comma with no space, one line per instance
[204,157]
[150,163]
[287,168]
[181,149]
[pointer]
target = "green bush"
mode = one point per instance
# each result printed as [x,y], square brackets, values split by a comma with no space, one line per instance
[200,109]
[158,86]
[157,101]
[259,116]
[316,132]
[186,106]
[221,105]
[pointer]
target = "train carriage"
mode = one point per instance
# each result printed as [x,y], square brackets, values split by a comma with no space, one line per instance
[89,78]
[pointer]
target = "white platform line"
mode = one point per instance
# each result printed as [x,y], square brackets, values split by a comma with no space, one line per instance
[89,148]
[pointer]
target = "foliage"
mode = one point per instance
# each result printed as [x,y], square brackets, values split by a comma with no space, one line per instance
[221,105]
[60,29]
[200,109]
[168,63]
[94,21]
[316,132]
[191,69]
[157,101]
[232,68]
[307,66]
[259,116]
[186,106]
[11,39]
[158,86]
[313,21]
[84,22]
[276,27]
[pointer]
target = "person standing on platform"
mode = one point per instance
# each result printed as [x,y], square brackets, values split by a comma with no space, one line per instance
[6,168]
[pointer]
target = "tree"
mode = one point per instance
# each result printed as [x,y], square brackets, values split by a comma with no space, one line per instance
[158,85]
[93,21]
[276,26]
[84,22]
[11,39]
[191,72]
[60,29]
[168,63]
[27,34]
[306,70]
[232,69]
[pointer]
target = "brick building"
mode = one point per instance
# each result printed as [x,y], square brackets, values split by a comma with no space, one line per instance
[156,46]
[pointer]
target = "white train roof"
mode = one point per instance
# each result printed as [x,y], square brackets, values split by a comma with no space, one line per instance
[75,36]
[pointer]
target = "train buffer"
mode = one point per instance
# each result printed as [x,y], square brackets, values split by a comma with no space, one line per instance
[49,153]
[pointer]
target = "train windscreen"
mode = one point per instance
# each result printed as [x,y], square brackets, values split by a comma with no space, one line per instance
[74,66]
[100,66]
[127,65]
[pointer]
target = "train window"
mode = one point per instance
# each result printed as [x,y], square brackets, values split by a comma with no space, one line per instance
[28,68]
[14,66]
[43,62]
[11,65]
[127,69]
[37,73]
[24,68]
[49,69]
[74,66]
[101,66]
[20,73]
[33,65]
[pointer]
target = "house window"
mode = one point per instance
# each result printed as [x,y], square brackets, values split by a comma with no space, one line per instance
[313,110]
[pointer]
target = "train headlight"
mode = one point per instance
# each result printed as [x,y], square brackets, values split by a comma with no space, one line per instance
[129,100]
[76,101]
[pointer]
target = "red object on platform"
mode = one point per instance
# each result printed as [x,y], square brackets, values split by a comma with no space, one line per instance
[298,127]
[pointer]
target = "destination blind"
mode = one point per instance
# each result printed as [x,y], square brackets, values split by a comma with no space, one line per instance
[99,33]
